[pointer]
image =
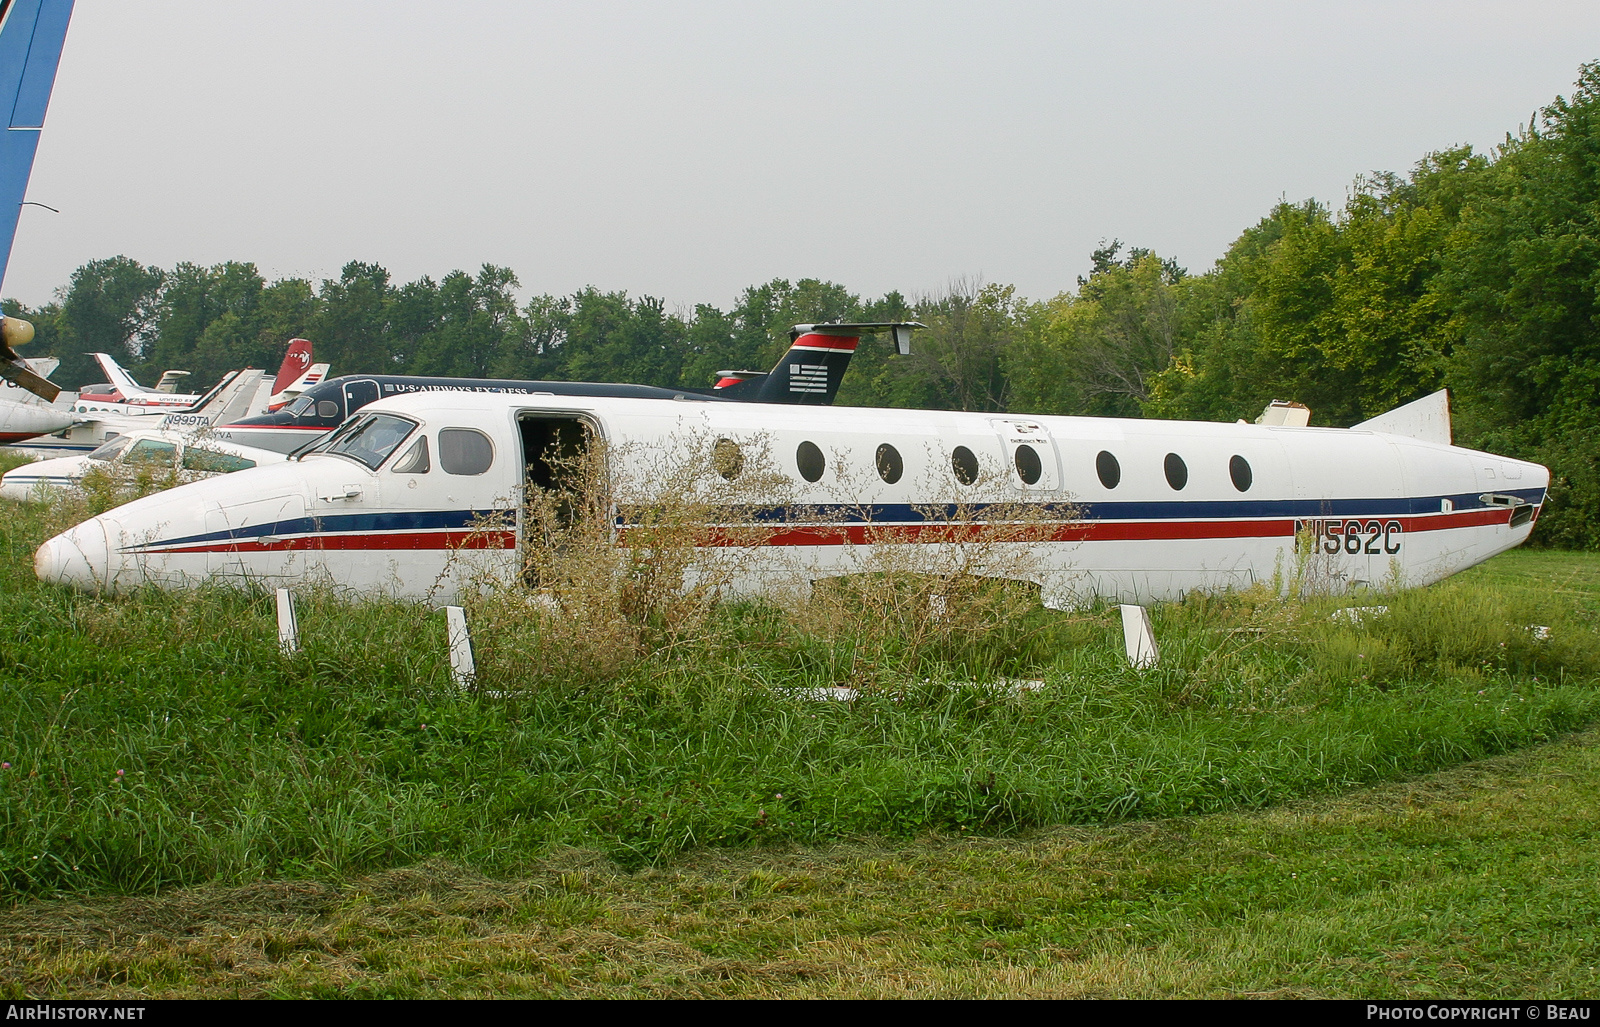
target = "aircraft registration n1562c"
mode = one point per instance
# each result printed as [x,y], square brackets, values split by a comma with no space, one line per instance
[417,495]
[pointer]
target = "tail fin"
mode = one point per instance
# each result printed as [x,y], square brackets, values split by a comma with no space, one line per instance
[296,375]
[1427,419]
[31,35]
[169,382]
[810,373]
[227,401]
[121,380]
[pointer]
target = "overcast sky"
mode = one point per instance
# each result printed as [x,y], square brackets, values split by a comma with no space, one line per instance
[688,149]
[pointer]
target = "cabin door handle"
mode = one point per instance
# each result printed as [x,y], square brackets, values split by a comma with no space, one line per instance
[346,492]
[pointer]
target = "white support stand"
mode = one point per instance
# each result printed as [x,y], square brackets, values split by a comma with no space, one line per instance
[1138,638]
[461,666]
[288,624]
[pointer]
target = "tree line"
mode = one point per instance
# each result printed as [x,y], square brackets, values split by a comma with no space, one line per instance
[1479,272]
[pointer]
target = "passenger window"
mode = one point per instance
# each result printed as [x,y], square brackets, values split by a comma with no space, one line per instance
[195,459]
[1110,472]
[464,451]
[964,465]
[727,458]
[152,452]
[810,461]
[890,466]
[1177,471]
[415,460]
[1239,471]
[1029,467]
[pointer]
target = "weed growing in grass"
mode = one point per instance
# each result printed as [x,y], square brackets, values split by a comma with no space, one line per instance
[619,566]
[958,591]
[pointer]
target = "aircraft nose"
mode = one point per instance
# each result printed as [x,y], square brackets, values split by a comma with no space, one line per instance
[79,557]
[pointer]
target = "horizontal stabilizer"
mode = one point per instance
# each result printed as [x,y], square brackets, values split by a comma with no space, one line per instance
[169,381]
[1426,419]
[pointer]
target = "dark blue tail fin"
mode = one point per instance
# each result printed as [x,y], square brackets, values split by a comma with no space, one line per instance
[811,371]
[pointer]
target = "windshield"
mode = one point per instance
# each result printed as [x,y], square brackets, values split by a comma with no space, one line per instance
[370,439]
[111,448]
[153,452]
[299,406]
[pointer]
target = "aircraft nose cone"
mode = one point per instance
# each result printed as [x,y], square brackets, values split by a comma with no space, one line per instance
[79,557]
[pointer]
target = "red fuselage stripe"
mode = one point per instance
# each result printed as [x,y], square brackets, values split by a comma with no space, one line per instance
[858,534]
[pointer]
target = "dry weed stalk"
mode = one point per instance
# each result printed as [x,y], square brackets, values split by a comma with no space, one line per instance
[631,550]
[967,569]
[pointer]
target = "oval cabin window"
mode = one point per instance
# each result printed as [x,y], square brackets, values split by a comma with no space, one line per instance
[464,451]
[1239,470]
[890,466]
[727,458]
[1177,471]
[1110,472]
[964,465]
[809,461]
[1029,467]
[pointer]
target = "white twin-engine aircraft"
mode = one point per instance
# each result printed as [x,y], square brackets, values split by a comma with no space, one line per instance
[416,495]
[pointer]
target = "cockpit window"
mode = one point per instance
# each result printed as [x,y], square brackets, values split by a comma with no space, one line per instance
[111,448]
[328,408]
[370,439]
[152,453]
[415,459]
[299,406]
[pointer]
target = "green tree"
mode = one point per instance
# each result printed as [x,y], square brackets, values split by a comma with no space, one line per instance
[352,328]
[1522,273]
[112,306]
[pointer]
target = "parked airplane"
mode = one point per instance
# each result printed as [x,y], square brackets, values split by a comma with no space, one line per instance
[193,455]
[808,374]
[132,398]
[24,414]
[397,500]
[127,397]
[231,398]
[31,35]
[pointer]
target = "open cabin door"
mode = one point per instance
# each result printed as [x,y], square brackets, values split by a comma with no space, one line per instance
[563,486]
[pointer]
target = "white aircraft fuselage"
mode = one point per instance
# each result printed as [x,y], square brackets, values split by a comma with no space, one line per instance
[24,415]
[1127,509]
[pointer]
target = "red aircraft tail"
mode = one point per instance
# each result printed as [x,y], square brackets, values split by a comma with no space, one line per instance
[295,363]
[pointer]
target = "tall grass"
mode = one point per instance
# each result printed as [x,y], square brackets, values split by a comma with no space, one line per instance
[161,739]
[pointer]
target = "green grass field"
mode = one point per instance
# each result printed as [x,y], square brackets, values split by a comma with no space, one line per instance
[1288,805]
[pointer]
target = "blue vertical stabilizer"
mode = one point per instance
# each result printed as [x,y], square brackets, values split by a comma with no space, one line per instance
[31,34]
